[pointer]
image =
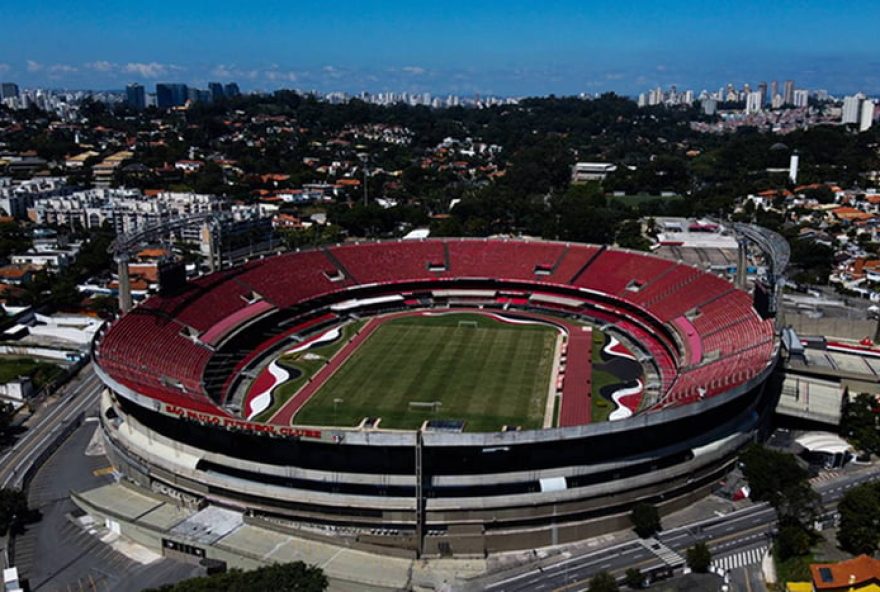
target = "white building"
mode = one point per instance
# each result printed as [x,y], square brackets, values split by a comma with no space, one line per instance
[852,107]
[125,209]
[16,197]
[51,260]
[801,98]
[754,102]
[591,171]
[858,110]
[866,115]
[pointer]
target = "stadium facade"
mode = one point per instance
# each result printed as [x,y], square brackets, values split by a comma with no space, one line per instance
[175,367]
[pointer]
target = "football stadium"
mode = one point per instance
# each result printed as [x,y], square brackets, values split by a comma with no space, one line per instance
[440,397]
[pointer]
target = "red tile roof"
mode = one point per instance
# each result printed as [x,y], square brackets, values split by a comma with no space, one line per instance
[861,571]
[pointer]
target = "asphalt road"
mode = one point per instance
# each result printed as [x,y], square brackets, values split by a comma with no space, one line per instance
[54,553]
[733,533]
[57,554]
[80,394]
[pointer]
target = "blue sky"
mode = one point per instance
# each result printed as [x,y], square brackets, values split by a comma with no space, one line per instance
[501,47]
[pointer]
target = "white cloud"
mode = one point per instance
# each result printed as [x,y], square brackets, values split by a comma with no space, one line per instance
[33,66]
[414,70]
[332,72]
[223,71]
[61,69]
[230,71]
[276,75]
[101,66]
[150,69]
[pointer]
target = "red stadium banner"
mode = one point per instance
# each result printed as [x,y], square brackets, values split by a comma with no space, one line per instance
[238,425]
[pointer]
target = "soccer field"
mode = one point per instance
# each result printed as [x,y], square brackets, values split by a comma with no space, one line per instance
[488,375]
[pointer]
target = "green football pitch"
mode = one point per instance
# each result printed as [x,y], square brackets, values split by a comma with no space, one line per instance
[480,370]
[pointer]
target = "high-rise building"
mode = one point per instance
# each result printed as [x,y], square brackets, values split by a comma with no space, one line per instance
[793,168]
[776,103]
[135,96]
[753,102]
[231,90]
[852,108]
[710,106]
[762,88]
[788,93]
[216,90]
[801,98]
[866,115]
[8,90]
[774,90]
[197,95]
[171,95]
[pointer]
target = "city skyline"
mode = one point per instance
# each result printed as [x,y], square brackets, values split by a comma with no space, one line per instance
[566,48]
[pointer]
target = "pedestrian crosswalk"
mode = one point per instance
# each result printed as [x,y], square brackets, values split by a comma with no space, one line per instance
[825,476]
[667,555]
[751,556]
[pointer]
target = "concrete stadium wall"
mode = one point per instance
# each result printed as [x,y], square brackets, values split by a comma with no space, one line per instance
[471,526]
[831,327]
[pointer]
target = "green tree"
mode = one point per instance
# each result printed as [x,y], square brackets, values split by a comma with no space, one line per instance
[776,477]
[859,423]
[822,194]
[793,540]
[634,578]
[645,519]
[629,236]
[279,577]
[699,558]
[14,509]
[860,519]
[603,582]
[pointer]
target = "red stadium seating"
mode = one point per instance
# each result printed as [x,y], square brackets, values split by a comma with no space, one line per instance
[206,300]
[613,271]
[293,277]
[151,347]
[571,263]
[516,260]
[686,295]
[393,262]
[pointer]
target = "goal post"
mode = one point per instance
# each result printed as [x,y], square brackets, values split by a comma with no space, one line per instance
[469,324]
[433,406]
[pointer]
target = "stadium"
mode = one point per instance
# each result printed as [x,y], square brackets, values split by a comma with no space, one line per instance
[440,396]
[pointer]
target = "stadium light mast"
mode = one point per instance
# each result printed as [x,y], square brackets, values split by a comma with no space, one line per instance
[124,281]
[365,159]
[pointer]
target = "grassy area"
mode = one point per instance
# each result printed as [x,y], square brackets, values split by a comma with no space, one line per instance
[601,408]
[489,375]
[40,372]
[306,363]
[598,342]
[793,569]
